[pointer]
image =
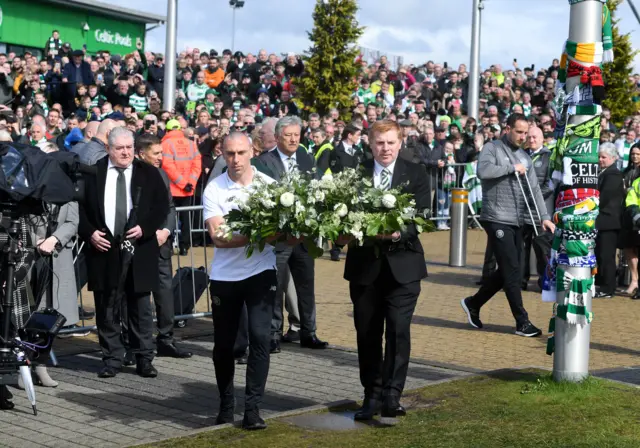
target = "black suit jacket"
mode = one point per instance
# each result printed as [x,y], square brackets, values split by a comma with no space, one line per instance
[166,249]
[273,162]
[612,196]
[103,267]
[406,257]
[345,160]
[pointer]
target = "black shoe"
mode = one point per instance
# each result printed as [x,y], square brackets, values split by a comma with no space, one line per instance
[225,415]
[6,404]
[275,346]
[85,314]
[172,351]
[370,408]
[184,251]
[291,336]
[242,360]
[602,295]
[528,330]
[401,411]
[6,393]
[390,407]
[252,421]
[636,296]
[335,256]
[146,370]
[473,315]
[313,342]
[108,372]
[129,359]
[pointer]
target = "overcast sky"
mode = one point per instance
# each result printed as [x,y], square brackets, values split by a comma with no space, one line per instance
[418,30]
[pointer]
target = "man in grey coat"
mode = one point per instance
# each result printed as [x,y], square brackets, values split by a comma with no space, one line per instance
[96,148]
[502,164]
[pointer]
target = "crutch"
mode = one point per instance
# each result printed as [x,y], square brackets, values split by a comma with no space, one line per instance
[533,221]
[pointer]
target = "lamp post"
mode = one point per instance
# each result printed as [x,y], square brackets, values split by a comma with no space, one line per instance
[474,66]
[169,91]
[235,4]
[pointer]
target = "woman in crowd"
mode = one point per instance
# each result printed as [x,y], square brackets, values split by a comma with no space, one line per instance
[630,238]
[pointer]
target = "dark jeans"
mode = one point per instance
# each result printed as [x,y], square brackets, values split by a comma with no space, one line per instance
[385,302]
[506,242]
[163,299]
[185,221]
[302,269]
[228,298]
[139,327]
[606,245]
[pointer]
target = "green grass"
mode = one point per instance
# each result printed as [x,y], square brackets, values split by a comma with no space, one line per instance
[510,409]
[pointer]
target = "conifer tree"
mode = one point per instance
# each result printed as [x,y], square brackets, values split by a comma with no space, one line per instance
[330,63]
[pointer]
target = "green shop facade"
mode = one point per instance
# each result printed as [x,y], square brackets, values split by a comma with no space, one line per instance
[27,25]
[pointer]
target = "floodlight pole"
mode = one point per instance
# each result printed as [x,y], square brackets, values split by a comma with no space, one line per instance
[169,91]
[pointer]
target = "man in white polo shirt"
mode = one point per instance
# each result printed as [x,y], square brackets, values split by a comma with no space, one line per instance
[238,280]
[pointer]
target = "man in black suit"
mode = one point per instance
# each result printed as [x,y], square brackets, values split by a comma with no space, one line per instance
[347,154]
[108,199]
[384,278]
[609,220]
[150,151]
[287,156]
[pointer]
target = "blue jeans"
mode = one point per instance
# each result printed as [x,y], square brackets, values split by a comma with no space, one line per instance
[444,198]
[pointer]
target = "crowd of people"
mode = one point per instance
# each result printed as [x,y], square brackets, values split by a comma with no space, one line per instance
[239,114]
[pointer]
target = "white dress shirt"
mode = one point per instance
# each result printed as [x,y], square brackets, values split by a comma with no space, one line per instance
[110,194]
[285,159]
[348,148]
[377,172]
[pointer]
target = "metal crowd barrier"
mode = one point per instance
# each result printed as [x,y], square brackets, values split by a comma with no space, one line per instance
[442,182]
[194,215]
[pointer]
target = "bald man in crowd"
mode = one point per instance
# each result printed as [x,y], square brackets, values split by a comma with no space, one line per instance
[96,148]
[540,156]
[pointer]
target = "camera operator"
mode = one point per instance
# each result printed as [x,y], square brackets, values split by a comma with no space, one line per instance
[503,212]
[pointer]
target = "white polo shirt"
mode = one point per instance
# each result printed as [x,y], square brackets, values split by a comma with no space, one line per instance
[232,264]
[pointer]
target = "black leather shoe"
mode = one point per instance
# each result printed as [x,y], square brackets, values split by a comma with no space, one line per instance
[108,372]
[291,336]
[275,346]
[85,314]
[6,404]
[243,360]
[370,408]
[146,370]
[172,351]
[252,421]
[6,393]
[313,342]
[401,411]
[391,406]
[129,359]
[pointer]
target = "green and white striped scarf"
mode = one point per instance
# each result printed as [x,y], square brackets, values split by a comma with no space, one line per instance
[624,148]
[139,103]
[574,309]
[471,182]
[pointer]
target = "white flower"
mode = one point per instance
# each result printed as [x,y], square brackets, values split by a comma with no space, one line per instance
[327,176]
[341,210]
[389,200]
[287,199]
[319,195]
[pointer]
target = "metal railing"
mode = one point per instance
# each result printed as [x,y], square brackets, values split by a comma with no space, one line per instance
[442,182]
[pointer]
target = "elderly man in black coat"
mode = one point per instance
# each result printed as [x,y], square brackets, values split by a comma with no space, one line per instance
[121,183]
[609,220]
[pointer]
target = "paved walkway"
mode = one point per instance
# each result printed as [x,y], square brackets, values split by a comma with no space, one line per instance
[86,411]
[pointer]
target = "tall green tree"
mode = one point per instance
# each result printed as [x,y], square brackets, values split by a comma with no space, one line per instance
[330,67]
[619,87]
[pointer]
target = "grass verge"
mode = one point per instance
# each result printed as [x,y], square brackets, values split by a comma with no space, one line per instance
[504,409]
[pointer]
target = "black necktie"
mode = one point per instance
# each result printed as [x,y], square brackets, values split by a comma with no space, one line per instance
[121,203]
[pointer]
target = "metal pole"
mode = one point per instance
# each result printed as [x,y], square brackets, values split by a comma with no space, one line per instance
[474,66]
[459,212]
[233,29]
[571,353]
[169,93]
[634,10]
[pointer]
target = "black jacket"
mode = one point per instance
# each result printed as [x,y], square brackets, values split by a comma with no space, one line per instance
[153,210]
[273,162]
[341,159]
[406,257]
[155,76]
[612,196]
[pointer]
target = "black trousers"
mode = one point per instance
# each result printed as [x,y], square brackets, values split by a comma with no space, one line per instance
[606,245]
[391,304]
[139,331]
[528,232]
[506,242]
[163,299]
[185,221]
[302,268]
[228,298]
[489,265]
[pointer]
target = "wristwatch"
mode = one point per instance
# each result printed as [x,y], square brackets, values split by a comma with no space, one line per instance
[395,240]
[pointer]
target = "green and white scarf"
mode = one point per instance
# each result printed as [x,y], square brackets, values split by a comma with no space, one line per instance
[607,30]
[574,310]
[471,182]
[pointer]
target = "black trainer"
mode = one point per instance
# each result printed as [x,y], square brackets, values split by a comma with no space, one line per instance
[602,295]
[528,330]
[473,315]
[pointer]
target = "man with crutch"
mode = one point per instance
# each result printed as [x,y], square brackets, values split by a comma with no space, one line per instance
[503,168]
